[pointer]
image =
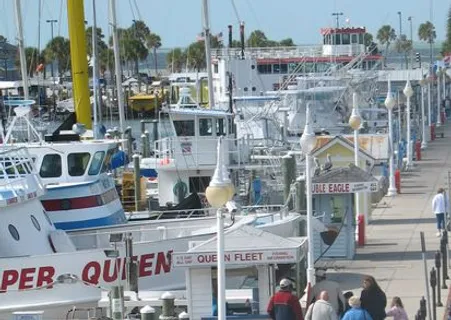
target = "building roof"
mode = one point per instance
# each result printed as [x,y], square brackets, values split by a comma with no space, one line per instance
[350,174]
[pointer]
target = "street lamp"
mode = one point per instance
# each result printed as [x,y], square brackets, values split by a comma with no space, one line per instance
[308,143]
[429,79]
[355,122]
[400,23]
[424,142]
[218,193]
[408,92]
[52,21]
[389,104]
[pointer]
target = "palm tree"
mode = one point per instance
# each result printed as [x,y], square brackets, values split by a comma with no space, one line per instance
[101,45]
[137,36]
[257,39]
[446,48]
[196,55]
[403,45]
[175,59]
[59,49]
[385,35]
[426,32]
[153,41]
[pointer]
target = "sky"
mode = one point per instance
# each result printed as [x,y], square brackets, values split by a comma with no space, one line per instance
[179,21]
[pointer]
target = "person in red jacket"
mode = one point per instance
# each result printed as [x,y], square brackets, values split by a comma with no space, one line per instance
[284,305]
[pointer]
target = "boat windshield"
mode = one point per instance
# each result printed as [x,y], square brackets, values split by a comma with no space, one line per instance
[107,164]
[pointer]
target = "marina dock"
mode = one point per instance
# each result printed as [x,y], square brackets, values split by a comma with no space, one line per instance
[392,253]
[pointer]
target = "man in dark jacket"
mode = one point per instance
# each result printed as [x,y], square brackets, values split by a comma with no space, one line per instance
[284,305]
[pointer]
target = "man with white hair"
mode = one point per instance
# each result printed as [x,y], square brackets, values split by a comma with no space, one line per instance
[321,309]
[356,312]
[284,305]
[336,298]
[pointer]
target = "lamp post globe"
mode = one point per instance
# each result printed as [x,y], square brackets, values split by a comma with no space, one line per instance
[389,101]
[408,91]
[355,120]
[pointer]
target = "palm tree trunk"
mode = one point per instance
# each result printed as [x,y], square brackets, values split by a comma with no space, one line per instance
[386,53]
[155,60]
[430,52]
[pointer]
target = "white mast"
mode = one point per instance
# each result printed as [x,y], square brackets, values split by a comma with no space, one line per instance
[94,68]
[117,65]
[23,61]
[206,21]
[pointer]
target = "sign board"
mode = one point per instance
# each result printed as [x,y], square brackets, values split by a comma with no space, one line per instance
[337,188]
[254,257]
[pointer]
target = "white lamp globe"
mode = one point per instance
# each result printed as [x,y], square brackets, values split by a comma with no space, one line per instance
[355,120]
[408,91]
[389,101]
[308,142]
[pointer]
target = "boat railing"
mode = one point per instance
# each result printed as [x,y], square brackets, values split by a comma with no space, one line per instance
[19,180]
[269,52]
[197,151]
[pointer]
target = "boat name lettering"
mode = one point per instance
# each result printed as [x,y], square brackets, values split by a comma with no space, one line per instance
[244,256]
[327,188]
[94,272]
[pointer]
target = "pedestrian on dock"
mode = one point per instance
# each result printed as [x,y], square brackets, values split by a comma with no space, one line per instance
[373,299]
[284,305]
[397,310]
[336,298]
[356,312]
[321,309]
[439,209]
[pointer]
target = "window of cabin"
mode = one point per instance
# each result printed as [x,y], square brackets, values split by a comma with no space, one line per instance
[77,163]
[51,166]
[361,38]
[354,38]
[345,38]
[96,163]
[198,184]
[215,68]
[220,129]
[264,68]
[106,166]
[205,127]
[284,68]
[276,68]
[184,128]
[337,38]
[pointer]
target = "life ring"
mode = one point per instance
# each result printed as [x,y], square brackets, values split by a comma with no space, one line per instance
[180,189]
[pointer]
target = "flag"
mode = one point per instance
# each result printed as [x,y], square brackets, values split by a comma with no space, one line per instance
[219,36]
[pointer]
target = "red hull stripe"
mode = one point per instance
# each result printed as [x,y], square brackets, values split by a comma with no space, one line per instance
[81,202]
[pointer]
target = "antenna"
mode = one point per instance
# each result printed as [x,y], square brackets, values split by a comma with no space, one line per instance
[337,17]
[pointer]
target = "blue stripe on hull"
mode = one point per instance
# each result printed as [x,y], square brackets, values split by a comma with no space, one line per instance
[116,218]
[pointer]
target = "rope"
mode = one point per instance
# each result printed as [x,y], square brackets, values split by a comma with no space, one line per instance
[236,11]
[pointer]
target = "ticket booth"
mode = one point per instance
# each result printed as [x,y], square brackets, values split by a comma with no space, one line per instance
[248,252]
[334,209]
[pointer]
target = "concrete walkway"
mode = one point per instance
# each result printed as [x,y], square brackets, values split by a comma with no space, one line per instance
[392,253]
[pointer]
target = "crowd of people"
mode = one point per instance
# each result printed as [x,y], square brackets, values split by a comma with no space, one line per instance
[328,302]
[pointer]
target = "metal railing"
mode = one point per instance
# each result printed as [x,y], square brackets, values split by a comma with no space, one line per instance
[269,52]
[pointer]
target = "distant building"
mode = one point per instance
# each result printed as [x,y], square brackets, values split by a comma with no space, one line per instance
[8,68]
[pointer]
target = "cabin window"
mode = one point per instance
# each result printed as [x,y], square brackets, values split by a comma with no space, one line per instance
[264,68]
[13,231]
[345,38]
[198,184]
[276,68]
[51,166]
[184,128]
[220,129]
[205,127]
[361,38]
[77,163]
[96,163]
[35,222]
[337,38]
[292,67]
[354,38]
[215,68]
[107,163]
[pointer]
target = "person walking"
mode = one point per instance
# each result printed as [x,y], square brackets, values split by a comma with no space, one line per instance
[397,310]
[284,305]
[356,312]
[321,309]
[373,299]
[439,208]
[336,298]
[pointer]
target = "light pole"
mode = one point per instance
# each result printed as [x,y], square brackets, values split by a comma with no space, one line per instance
[439,118]
[411,41]
[389,104]
[354,122]
[400,23]
[337,17]
[308,142]
[424,142]
[218,193]
[408,92]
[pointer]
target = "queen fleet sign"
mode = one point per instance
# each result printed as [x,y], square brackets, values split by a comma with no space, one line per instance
[340,188]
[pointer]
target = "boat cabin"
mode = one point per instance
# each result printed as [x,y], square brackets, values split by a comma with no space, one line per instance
[67,161]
